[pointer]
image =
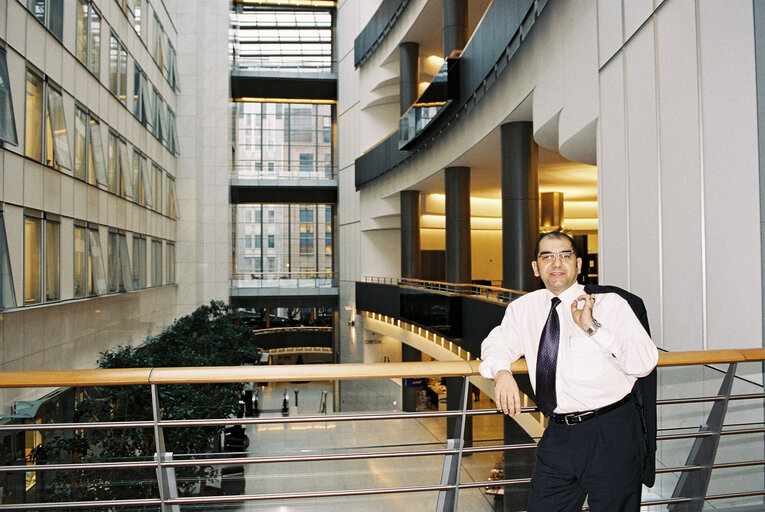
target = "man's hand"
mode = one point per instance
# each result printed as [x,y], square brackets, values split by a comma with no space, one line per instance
[583,317]
[506,393]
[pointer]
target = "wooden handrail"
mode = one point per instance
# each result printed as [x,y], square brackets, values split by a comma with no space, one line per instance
[313,372]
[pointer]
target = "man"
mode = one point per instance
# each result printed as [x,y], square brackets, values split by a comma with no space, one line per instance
[583,356]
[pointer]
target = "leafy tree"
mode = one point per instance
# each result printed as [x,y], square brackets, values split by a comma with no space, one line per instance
[213,335]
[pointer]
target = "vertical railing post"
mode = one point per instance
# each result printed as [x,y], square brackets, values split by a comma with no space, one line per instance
[450,475]
[165,476]
[694,484]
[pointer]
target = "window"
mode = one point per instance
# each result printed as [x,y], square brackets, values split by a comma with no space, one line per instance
[34,116]
[120,278]
[41,259]
[146,197]
[56,136]
[172,138]
[271,241]
[52,260]
[7,119]
[160,131]
[171,208]
[139,262]
[96,158]
[157,187]
[120,180]
[113,152]
[306,215]
[306,162]
[248,241]
[170,263]
[158,48]
[118,69]
[172,68]
[141,181]
[141,99]
[137,17]
[54,139]
[50,13]
[7,292]
[271,264]
[32,260]
[89,36]
[306,242]
[156,262]
[95,257]
[81,283]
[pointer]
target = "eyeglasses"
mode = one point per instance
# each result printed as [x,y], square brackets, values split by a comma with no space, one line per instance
[549,257]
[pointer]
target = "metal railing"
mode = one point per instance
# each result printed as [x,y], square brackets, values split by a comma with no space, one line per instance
[259,171]
[313,279]
[495,293]
[689,481]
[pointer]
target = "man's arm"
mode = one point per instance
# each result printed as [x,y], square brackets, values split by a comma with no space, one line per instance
[497,355]
[621,335]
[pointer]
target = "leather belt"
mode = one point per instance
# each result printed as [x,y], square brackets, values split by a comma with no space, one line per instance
[573,418]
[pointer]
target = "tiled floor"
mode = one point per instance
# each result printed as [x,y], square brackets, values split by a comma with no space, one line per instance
[368,435]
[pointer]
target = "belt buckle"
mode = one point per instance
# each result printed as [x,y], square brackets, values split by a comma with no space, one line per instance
[572,419]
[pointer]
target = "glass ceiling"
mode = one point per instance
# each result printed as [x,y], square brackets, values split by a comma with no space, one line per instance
[295,40]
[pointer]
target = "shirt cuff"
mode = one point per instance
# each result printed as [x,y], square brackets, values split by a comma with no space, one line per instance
[605,339]
[489,370]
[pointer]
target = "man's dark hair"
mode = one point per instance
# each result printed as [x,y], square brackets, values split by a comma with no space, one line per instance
[555,235]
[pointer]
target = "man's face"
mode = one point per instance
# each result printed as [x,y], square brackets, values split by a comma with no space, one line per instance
[556,264]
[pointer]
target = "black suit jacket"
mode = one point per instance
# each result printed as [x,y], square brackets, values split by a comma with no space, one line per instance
[644,391]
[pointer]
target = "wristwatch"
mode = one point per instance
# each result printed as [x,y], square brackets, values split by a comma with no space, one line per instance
[593,328]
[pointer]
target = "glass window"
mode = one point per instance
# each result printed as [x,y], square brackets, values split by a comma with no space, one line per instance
[160,131]
[89,36]
[271,241]
[7,293]
[117,69]
[34,116]
[81,286]
[170,263]
[7,119]
[306,162]
[97,160]
[125,176]
[50,13]
[113,155]
[141,98]
[171,208]
[52,260]
[156,263]
[157,188]
[146,191]
[57,137]
[306,243]
[172,138]
[81,124]
[159,41]
[32,260]
[295,41]
[137,17]
[120,278]
[97,277]
[139,262]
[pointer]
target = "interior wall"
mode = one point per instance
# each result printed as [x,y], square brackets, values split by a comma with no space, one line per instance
[679,198]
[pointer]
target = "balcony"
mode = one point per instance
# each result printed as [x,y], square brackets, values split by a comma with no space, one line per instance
[301,453]
[284,289]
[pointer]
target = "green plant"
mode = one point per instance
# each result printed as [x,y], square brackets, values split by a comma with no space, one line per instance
[213,335]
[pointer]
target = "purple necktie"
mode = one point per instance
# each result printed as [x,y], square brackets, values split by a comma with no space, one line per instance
[547,361]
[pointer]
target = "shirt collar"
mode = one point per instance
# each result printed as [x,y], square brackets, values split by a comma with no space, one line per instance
[568,296]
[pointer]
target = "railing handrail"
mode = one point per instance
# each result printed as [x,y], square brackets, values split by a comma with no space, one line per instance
[316,372]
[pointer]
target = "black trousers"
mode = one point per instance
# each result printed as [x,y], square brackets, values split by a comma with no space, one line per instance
[600,459]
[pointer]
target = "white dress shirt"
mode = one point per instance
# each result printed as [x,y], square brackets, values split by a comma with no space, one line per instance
[592,371]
